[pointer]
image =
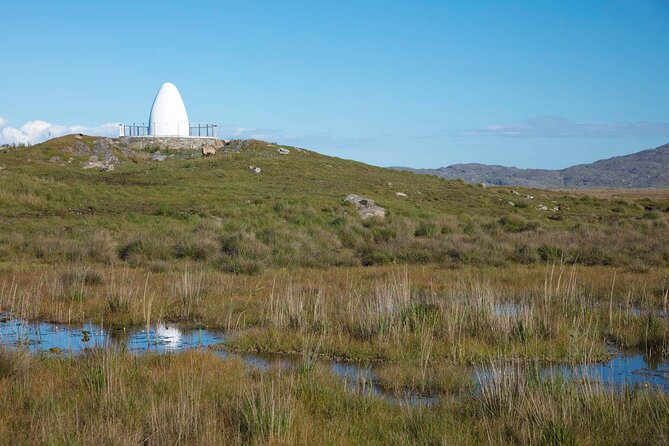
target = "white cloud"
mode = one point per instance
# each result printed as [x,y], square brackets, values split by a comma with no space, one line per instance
[36,131]
[557,127]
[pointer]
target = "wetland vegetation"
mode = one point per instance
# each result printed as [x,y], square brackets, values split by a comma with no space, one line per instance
[453,284]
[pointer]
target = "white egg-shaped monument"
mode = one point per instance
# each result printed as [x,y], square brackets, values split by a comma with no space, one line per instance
[168,115]
[168,120]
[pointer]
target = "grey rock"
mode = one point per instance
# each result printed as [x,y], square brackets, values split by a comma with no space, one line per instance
[366,207]
[166,144]
[157,156]
[102,147]
[92,165]
[79,148]
[283,151]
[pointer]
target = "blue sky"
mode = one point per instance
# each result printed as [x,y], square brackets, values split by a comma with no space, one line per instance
[423,84]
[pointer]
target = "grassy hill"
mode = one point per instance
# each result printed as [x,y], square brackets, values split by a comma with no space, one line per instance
[292,214]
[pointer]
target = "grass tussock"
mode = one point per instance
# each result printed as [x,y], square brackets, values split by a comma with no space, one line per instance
[14,363]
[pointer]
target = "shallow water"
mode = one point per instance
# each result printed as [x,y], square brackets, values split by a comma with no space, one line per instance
[357,378]
[621,370]
[629,370]
[508,309]
[44,336]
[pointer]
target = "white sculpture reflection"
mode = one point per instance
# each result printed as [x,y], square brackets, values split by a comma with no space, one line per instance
[168,337]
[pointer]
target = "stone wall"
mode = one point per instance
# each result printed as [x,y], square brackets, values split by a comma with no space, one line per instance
[166,144]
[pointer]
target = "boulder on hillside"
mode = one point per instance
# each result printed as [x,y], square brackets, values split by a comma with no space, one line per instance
[366,207]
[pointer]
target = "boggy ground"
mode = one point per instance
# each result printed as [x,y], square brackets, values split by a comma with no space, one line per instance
[104,397]
[418,316]
[453,275]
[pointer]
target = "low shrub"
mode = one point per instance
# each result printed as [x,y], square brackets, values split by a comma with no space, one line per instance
[82,276]
[514,223]
[426,230]
[549,253]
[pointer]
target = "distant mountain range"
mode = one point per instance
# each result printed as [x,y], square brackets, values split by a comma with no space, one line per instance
[648,168]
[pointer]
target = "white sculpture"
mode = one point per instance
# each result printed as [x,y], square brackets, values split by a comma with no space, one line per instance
[168,115]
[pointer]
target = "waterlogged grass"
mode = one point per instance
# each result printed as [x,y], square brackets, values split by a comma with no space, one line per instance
[104,397]
[466,323]
[416,316]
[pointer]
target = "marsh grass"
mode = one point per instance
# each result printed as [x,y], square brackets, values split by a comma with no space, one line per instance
[392,320]
[521,406]
[266,411]
[107,397]
[14,363]
[407,314]
[191,290]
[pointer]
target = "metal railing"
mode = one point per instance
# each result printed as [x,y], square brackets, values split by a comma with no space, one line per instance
[203,130]
[142,129]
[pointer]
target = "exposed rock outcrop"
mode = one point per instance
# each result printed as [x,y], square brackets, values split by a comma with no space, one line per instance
[366,207]
[166,144]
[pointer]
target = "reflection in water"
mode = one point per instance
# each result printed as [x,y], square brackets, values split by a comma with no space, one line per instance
[170,337]
[42,336]
[507,309]
[357,378]
[629,370]
[623,370]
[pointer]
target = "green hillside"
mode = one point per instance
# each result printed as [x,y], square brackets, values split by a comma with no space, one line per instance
[213,209]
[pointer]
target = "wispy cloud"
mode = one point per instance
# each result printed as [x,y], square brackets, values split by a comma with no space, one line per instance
[557,127]
[36,131]
[313,140]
